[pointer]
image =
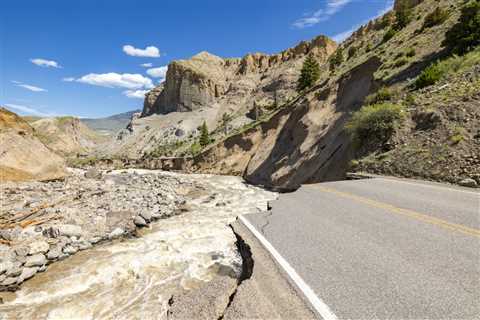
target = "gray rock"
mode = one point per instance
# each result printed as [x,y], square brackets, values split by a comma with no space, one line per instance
[36,260]
[42,268]
[93,173]
[117,232]
[2,277]
[139,221]
[27,273]
[39,246]
[9,281]
[22,251]
[70,230]
[70,249]
[14,270]
[5,265]
[84,244]
[468,183]
[54,253]
[95,240]
[146,215]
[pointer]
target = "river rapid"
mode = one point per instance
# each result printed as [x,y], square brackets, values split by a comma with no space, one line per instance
[135,278]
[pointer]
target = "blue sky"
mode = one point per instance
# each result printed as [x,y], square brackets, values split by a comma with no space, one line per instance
[85,57]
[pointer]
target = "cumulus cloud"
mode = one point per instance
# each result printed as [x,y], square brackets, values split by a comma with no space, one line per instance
[28,110]
[147,65]
[150,51]
[116,80]
[28,86]
[332,7]
[139,94]
[160,72]
[45,63]
[347,33]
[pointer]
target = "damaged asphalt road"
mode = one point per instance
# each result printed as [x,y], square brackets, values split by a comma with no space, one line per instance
[262,292]
[382,248]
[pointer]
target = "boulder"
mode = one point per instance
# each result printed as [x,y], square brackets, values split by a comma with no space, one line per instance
[36,260]
[27,273]
[468,183]
[39,246]
[139,221]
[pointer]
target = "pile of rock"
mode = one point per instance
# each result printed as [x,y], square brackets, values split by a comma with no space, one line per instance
[99,207]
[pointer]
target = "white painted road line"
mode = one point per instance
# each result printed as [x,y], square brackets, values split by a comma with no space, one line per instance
[319,306]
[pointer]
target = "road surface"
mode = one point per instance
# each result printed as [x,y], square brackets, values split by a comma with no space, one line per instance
[382,248]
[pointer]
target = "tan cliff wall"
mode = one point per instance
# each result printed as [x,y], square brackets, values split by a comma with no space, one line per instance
[206,80]
[305,142]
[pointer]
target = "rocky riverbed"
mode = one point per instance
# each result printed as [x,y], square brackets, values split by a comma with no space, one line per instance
[117,244]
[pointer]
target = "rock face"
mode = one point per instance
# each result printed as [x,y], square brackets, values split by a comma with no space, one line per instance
[22,155]
[206,80]
[304,142]
[66,135]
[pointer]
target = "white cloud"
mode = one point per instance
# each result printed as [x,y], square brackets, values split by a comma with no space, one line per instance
[139,94]
[147,65]
[28,86]
[160,72]
[45,63]
[68,79]
[332,7]
[345,34]
[116,80]
[150,51]
[28,110]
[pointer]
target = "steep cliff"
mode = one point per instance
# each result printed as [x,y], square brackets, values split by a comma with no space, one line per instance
[221,92]
[206,80]
[307,141]
[22,155]
[304,141]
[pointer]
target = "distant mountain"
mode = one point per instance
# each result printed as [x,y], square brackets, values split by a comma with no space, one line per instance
[111,124]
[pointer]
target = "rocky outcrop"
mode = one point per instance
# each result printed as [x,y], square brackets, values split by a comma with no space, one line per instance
[304,142]
[206,80]
[22,155]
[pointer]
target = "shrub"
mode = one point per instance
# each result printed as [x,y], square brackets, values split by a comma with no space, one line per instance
[400,62]
[374,125]
[389,35]
[452,65]
[382,95]
[429,76]
[411,52]
[195,148]
[369,48]
[436,17]
[352,51]
[309,74]
[464,36]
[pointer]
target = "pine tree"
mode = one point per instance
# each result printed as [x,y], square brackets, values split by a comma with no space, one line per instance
[337,59]
[204,136]
[309,74]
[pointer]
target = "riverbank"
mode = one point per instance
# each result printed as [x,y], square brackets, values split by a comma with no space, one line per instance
[133,273]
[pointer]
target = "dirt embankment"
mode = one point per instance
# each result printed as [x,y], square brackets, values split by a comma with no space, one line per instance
[22,155]
[305,142]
